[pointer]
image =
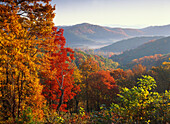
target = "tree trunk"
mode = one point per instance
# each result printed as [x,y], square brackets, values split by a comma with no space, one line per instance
[13,99]
[77,102]
[61,99]
[87,101]
[19,95]
[87,96]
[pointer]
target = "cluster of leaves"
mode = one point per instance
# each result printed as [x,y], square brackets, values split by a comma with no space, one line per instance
[102,89]
[52,117]
[129,77]
[99,53]
[161,75]
[104,63]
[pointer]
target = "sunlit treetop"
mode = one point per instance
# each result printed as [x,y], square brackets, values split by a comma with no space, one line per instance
[36,16]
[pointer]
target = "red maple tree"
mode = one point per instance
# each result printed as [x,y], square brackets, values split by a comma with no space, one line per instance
[59,84]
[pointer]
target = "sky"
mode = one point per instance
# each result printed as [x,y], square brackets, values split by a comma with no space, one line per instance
[114,13]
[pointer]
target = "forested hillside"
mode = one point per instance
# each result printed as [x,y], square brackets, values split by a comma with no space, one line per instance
[104,63]
[160,46]
[128,44]
[76,40]
[77,34]
[149,61]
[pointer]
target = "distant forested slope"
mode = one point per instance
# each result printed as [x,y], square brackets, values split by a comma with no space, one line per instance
[160,46]
[104,63]
[128,44]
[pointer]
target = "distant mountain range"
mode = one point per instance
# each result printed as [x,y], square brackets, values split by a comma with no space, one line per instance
[157,30]
[85,34]
[160,46]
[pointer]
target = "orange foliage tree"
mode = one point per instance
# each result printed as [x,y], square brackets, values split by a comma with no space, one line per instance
[102,89]
[86,68]
[23,25]
[120,76]
[133,75]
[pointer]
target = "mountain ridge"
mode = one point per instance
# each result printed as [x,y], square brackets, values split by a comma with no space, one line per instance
[128,44]
[86,34]
[159,46]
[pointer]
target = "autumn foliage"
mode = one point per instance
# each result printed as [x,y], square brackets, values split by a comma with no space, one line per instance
[22,23]
[59,86]
[102,89]
[42,82]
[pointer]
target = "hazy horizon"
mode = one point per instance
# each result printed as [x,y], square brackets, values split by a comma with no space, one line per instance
[113,13]
[118,26]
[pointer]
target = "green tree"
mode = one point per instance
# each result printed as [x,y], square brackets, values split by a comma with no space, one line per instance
[141,105]
[161,75]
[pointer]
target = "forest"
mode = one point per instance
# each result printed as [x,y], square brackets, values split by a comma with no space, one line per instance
[44,82]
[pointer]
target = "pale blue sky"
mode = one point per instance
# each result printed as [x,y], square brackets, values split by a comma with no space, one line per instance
[121,13]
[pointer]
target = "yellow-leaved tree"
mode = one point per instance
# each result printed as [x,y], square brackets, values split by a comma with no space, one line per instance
[25,26]
[86,68]
[167,64]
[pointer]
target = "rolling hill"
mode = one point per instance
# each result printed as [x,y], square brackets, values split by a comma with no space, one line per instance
[160,46]
[157,30]
[90,35]
[86,34]
[128,44]
[104,63]
[150,61]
